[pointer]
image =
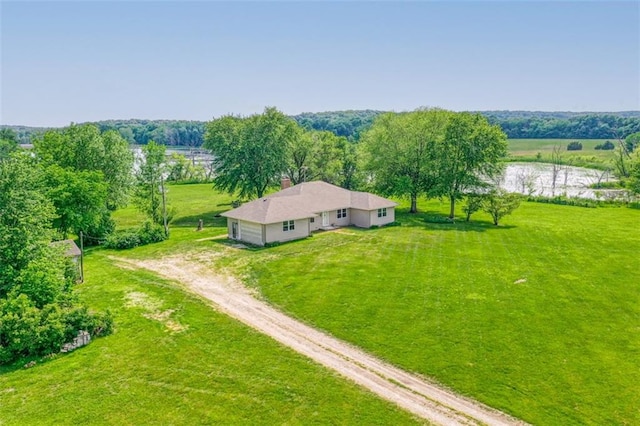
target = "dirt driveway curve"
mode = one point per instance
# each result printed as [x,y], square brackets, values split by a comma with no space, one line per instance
[407,390]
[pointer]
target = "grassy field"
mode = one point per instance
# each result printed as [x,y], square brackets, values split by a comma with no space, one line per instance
[444,300]
[174,360]
[541,149]
[447,301]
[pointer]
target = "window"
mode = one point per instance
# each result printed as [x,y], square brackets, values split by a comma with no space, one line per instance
[288,225]
[312,220]
[382,212]
[342,213]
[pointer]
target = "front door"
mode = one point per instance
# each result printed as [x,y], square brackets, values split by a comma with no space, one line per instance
[234,230]
[325,218]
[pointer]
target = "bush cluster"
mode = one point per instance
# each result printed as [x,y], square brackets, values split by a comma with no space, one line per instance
[148,233]
[574,146]
[565,201]
[28,330]
[607,146]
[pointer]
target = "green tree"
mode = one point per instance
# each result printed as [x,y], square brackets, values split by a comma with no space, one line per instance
[8,142]
[149,195]
[79,198]
[350,178]
[250,154]
[633,183]
[178,167]
[84,148]
[38,309]
[316,156]
[632,141]
[25,217]
[499,203]
[400,152]
[473,204]
[470,155]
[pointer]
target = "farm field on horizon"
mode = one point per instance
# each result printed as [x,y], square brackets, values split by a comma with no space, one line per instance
[536,317]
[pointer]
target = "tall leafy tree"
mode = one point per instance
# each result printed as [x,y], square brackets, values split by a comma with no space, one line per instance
[8,142]
[149,188]
[38,309]
[79,198]
[470,153]
[317,156]
[250,154]
[85,148]
[25,217]
[400,152]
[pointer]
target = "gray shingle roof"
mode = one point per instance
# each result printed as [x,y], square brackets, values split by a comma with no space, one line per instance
[72,249]
[305,200]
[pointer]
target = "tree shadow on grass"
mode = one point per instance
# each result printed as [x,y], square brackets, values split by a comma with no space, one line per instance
[210,219]
[243,245]
[434,220]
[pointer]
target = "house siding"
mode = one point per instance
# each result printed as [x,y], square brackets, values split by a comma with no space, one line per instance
[360,218]
[317,223]
[379,221]
[343,221]
[274,232]
[250,232]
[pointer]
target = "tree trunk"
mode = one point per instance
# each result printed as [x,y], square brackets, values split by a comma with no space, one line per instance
[453,207]
[414,204]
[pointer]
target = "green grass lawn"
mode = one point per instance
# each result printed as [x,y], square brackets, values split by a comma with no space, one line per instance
[529,149]
[561,348]
[440,299]
[174,360]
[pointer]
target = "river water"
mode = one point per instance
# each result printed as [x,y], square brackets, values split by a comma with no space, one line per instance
[570,181]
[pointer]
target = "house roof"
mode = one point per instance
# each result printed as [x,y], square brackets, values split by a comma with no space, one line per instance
[72,249]
[305,200]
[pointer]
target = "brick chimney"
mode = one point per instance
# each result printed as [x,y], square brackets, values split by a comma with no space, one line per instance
[285,183]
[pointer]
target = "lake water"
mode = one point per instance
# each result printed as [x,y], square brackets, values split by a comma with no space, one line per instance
[538,179]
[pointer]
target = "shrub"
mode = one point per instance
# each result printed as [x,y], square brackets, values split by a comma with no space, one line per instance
[574,146]
[148,233]
[95,232]
[607,146]
[499,203]
[122,240]
[26,330]
[473,204]
[565,201]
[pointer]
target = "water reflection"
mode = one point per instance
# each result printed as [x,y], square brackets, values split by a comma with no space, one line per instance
[551,180]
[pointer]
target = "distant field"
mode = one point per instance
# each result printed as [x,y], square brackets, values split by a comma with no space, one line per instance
[561,347]
[528,149]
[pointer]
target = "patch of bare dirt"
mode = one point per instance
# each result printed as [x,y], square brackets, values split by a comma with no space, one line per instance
[409,391]
[152,310]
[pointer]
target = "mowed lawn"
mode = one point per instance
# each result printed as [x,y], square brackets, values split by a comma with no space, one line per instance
[539,317]
[174,360]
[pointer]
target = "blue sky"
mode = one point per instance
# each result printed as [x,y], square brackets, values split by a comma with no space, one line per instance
[79,61]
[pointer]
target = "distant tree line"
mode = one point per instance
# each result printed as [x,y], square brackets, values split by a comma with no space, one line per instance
[163,132]
[349,124]
[352,124]
[590,126]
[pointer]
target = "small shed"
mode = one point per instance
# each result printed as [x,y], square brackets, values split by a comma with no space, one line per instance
[73,251]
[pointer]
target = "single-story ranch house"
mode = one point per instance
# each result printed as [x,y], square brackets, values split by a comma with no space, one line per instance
[297,211]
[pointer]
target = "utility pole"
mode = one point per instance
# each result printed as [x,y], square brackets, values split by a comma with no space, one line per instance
[81,258]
